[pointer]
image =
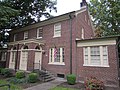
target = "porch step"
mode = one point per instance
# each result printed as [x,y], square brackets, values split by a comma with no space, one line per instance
[45,75]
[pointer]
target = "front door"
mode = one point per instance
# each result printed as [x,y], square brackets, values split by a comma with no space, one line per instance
[23,60]
[12,60]
[38,58]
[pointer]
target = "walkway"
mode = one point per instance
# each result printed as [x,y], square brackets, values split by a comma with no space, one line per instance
[47,85]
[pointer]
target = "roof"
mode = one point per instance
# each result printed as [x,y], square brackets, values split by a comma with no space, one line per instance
[49,21]
[98,38]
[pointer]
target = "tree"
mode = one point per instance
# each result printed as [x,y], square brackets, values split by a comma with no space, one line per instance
[31,11]
[6,12]
[106,16]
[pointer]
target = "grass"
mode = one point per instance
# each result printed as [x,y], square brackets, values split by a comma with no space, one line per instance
[13,87]
[62,88]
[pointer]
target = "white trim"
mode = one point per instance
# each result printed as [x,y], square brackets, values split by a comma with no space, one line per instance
[96,42]
[96,65]
[82,34]
[38,30]
[25,35]
[27,41]
[101,57]
[57,33]
[55,63]
[80,11]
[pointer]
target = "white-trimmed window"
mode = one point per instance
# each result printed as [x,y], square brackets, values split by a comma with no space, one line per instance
[57,30]
[15,37]
[56,57]
[3,56]
[82,34]
[96,56]
[39,33]
[25,35]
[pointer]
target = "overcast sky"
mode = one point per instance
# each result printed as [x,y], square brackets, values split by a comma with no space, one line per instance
[65,6]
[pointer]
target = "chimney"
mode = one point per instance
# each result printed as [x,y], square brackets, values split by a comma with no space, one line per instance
[83,3]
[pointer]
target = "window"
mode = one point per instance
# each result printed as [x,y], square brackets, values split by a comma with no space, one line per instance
[3,56]
[96,56]
[57,30]
[39,33]
[25,35]
[15,37]
[56,55]
[82,36]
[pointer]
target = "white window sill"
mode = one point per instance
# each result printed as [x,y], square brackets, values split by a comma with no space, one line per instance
[57,63]
[96,65]
[56,36]
[39,37]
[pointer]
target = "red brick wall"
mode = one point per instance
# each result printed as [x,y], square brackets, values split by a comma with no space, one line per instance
[107,74]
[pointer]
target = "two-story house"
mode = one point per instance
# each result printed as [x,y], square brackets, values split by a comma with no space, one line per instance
[65,44]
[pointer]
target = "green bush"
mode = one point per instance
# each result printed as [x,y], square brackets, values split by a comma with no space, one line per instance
[15,80]
[71,79]
[1,69]
[6,72]
[32,77]
[20,74]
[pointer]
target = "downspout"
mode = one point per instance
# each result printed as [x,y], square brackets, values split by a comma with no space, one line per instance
[70,24]
[118,58]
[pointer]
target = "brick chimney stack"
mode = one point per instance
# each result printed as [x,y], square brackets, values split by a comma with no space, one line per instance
[83,3]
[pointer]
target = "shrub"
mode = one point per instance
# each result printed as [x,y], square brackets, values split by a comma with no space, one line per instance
[6,72]
[20,74]
[71,79]
[1,70]
[15,80]
[93,84]
[32,77]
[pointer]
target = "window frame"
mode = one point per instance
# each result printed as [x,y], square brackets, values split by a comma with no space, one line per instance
[25,35]
[57,30]
[88,62]
[38,33]
[52,59]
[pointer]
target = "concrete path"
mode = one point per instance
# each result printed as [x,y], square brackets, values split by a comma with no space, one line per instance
[47,85]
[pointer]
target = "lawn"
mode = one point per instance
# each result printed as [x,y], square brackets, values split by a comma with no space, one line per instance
[62,88]
[13,87]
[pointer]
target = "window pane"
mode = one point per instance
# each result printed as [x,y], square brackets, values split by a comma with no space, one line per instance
[39,32]
[57,59]
[95,55]
[57,29]
[86,55]
[105,55]
[63,55]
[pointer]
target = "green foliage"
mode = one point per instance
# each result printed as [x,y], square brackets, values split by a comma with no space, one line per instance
[1,70]
[20,74]
[32,77]
[30,10]
[71,79]
[15,80]
[6,12]
[13,86]
[93,84]
[6,72]
[106,16]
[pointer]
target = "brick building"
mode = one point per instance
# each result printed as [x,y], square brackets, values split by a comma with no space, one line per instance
[65,44]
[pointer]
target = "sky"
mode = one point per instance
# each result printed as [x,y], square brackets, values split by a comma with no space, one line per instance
[65,6]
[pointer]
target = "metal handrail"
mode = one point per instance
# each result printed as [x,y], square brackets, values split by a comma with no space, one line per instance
[5,85]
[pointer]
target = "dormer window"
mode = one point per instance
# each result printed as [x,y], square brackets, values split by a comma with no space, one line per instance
[39,33]
[25,35]
[57,30]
